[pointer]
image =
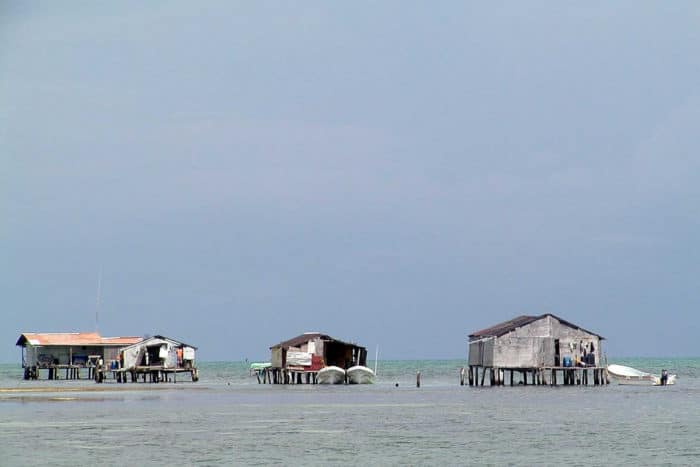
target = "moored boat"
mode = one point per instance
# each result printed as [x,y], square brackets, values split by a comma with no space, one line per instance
[331,375]
[631,376]
[359,374]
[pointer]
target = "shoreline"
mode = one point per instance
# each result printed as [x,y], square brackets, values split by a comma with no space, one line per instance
[101,388]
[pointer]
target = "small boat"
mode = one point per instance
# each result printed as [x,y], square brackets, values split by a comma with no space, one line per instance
[632,376]
[359,374]
[331,375]
[259,366]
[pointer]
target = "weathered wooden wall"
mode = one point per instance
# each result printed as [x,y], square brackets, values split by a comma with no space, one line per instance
[523,352]
[532,345]
[276,357]
[567,334]
[476,351]
[133,354]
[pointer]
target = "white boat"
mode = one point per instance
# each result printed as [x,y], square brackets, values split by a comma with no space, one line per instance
[632,376]
[331,375]
[359,374]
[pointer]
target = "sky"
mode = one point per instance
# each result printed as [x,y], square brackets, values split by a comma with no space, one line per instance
[398,174]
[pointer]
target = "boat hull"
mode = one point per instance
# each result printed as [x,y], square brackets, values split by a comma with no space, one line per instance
[331,375]
[632,377]
[635,381]
[360,375]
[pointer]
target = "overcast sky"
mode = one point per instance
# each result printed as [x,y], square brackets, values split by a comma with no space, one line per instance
[393,173]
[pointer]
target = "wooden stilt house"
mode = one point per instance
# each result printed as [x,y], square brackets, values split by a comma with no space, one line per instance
[535,349]
[302,356]
[158,358]
[68,351]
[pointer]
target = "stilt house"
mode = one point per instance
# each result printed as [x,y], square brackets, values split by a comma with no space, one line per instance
[533,344]
[158,351]
[312,351]
[67,350]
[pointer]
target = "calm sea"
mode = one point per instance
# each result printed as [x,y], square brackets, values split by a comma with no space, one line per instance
[228,419]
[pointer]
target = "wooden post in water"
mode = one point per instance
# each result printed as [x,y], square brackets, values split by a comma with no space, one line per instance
[418,379]
[461,376]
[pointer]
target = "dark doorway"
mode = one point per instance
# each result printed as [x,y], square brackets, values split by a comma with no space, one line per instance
[557,354]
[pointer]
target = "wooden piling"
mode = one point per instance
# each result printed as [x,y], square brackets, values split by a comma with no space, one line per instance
[418,379]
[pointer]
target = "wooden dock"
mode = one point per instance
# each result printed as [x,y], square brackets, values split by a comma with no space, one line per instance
[540,376]
[152,374]
[285,376]
[54,372]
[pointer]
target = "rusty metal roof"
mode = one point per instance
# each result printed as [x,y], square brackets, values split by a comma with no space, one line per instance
[73,338]
[520,321]
[309,336]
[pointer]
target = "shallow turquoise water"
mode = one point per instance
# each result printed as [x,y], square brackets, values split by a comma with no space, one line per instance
[228,419]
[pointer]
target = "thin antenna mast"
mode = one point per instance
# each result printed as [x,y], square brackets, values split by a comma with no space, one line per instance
[376,359]
[99,299]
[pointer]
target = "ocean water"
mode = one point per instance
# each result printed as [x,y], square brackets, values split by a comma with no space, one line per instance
[228,419]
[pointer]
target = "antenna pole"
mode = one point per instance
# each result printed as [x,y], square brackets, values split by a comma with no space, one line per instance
[99,297]
[376,359]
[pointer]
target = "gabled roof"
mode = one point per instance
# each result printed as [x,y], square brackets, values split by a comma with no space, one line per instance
[157,340]
[309,336]
[73,338]
[520,321]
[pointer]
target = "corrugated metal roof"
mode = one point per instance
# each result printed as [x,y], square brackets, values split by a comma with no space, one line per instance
[122,340]
[73,338]
[520,321]
[505,327]
[309,336]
